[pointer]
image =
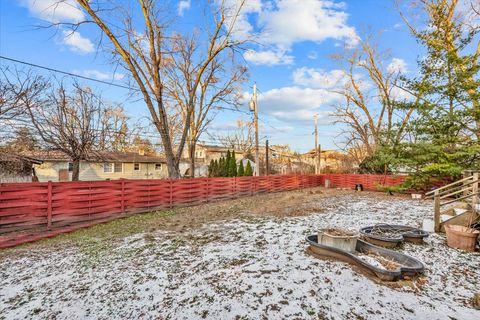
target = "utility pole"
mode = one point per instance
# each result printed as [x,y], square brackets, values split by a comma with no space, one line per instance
[317,150]
[266,159]
[319,158]
[253,107]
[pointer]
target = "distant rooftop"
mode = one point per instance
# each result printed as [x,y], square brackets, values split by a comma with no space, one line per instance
[96,156]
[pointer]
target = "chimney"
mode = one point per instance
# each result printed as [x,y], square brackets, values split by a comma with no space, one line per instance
[141,151]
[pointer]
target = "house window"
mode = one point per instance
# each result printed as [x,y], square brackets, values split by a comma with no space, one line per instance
[136,167]
[108,167]
[70,167]
[118,167]
[158,166]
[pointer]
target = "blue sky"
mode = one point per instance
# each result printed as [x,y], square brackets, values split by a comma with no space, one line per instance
[290,64]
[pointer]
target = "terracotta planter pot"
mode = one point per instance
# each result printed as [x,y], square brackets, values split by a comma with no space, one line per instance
[460,237]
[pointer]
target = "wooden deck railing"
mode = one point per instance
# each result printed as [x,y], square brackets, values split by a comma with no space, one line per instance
[466,190]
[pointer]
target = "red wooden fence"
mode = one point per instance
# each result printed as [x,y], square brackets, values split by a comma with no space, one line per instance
[29,211]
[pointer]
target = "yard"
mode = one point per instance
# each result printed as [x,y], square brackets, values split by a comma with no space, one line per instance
[237,259]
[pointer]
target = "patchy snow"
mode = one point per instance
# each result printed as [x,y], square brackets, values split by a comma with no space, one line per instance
[375,261]
[254,268]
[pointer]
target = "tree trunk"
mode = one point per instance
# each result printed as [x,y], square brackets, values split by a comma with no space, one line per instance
[191,147]
[172,161]
[173,168]
[76,170]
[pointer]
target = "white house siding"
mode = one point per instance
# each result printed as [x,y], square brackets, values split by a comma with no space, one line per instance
[8,178]
[48,171]
[90,171]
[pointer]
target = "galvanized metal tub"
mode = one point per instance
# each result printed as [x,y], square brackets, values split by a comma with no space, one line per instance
[403,233]
[407,266]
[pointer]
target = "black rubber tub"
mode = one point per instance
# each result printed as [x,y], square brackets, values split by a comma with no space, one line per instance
[390,236]
[407,266]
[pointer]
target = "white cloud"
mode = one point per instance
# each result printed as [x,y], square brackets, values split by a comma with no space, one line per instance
[54,10]
[76,42]
[397,26]
[286,22]
[318,78]
[268,57]
[242,29]
[100,75]
[295,103]
[182,6]
[397,66]
[293,21]
[400,94]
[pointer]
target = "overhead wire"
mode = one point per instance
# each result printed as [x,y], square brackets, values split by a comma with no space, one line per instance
[71,74]
[115,84]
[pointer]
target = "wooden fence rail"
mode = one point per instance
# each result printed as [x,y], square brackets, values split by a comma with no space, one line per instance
[46,209]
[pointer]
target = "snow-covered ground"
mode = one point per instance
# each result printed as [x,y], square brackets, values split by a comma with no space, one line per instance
[250,268]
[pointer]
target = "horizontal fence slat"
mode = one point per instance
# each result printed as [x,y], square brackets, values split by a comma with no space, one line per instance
[70,205]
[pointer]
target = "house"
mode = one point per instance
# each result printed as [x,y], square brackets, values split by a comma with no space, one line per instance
[57,166]
[331,161]
[17,168]
[204,154]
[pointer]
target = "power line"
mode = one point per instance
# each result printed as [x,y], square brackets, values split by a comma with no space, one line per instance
[96,80]
[117,85]
[68,73]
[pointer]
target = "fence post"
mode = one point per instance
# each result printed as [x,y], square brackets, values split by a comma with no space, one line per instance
[436,210]
[475,190]
[208,190]
[171,192]
[122,195]
[49,204]
[235,196]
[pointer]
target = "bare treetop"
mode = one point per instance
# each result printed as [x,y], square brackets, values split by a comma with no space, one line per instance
[141,41]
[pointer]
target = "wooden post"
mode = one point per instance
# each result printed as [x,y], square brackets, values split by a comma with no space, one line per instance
[208,191]
[436,210]
[266,159]
[122,199]
[171,193]
[475,188]
[235,188]
[49,204]
[254,108]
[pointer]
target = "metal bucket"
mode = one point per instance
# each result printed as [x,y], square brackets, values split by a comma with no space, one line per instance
[343,242]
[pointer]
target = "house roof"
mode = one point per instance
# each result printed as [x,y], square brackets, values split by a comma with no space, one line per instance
[12,157]
[325,152]
[98,156]
[218,148]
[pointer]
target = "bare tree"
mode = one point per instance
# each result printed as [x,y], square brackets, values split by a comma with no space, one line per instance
[17,89]
[75,123]
[146,54]
[241,138]
[118,135]
[22,141]
[370,109]
[218,86]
